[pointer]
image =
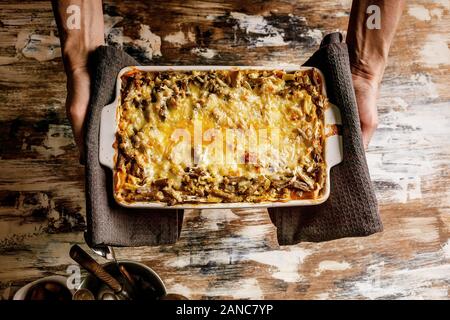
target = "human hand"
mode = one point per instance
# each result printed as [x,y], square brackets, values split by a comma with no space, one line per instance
[77,101]
[368,48]
[366,91]
[77,43]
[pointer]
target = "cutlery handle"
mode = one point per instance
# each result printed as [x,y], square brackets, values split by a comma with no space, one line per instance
[86,261]
[127,275]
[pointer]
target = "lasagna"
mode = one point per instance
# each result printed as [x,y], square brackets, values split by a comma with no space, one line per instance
[220,136]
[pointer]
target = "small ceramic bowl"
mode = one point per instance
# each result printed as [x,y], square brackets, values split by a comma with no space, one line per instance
[24,292]
[150,285]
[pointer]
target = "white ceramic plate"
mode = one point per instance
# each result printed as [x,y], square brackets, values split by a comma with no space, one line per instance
[108,127]
[22,292]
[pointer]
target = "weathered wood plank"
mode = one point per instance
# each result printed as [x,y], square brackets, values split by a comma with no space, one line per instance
[223,253]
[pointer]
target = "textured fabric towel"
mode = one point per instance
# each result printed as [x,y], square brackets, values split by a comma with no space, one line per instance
[108,223]
[352,209]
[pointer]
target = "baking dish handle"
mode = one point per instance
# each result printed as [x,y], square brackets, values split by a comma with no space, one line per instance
[332,115]
[107,135]
[333,147]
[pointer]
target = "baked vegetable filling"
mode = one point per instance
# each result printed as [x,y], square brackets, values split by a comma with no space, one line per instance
[220,136]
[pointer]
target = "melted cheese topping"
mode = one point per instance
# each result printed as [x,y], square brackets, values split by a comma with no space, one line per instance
[220,136]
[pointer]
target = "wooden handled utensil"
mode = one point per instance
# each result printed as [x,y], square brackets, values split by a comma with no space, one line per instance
[87,262]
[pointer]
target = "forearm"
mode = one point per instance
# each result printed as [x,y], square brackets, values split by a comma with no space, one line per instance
[369,48]
[78,43]
[81,31]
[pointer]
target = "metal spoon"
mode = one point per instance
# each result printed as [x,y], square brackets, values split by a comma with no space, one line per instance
[83,294]
[109,296]
[86,261]
[108,253]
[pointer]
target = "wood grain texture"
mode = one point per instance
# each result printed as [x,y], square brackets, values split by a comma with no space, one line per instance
[233,253]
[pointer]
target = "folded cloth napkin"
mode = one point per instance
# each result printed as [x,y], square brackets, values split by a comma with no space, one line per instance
[107,222]
[351,209]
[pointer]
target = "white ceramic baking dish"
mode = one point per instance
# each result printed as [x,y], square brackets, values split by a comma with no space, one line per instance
[108,127]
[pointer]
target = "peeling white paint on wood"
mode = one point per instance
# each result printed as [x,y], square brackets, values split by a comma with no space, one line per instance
[443,3]
[204,52]
[267,35]
[149,41]
[419,12]
[315,34]
[285,263]
[420,229]
[322,296]
[341,14]
[241,289]
[38,46]
[199,259]
[177,38]
[110,22]
[400,149]
[330,265]
[404,283]
[179,289]
[437,12]
[42,47]
[446,249]
[436,52]
[214,218]
[58,137]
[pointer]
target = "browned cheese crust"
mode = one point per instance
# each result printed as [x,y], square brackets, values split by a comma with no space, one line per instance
[220,136]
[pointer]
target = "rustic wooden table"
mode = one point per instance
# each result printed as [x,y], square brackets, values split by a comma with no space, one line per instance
[233,253]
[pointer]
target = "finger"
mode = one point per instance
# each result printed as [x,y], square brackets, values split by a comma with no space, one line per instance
[76,115]
[367,133]
[78,92]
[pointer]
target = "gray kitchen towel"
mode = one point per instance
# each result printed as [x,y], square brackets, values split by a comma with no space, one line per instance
[107,222]
[351,209]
